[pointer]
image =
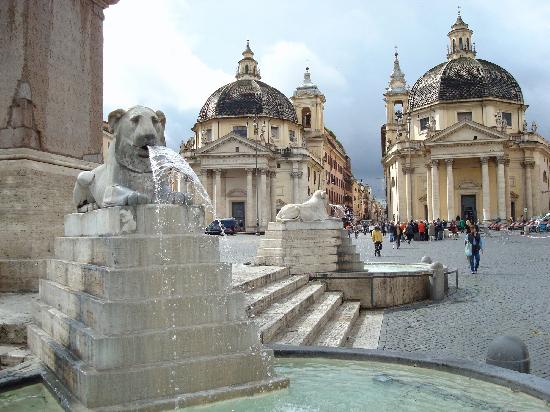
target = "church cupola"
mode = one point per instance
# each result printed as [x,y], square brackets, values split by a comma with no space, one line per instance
[248,67]
[460,40]
[397,78]
[309,104]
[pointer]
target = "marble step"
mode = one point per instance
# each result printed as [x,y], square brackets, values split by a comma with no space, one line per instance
[147,382]
[366,331]
[289,243]
[145,282]
[150,346]
[144,219]
[249,277]
[259,299]
[337,330]
[127,316]
[138,250]
[282,313]
[306,328]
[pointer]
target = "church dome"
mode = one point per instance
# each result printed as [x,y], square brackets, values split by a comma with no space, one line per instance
[247,97]
[464,78]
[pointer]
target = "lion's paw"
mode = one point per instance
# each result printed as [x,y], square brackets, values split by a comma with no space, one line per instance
[136,198]
[179,198]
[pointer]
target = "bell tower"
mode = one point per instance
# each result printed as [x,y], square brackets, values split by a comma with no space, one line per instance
[460,40]
[309,104]
[396,99]
[248,66]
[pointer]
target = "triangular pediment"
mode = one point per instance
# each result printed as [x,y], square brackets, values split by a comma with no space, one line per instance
[466,132]
[227,145]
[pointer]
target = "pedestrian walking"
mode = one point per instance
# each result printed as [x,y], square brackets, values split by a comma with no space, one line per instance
[474,246]
[421,230]
[409,232]
[397,235]
[377,239]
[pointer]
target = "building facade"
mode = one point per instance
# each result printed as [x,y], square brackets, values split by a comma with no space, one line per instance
[457,143]
[250,149]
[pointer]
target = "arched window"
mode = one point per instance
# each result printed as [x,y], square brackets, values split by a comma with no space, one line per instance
[454,45]
[306,117]
[467,43]
[544,177]
[460,43]
[246,68]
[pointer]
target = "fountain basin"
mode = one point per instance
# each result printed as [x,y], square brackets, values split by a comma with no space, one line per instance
[358,379]
[381,285]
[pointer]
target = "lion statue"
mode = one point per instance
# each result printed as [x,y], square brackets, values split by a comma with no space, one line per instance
[126,177]
[310,211]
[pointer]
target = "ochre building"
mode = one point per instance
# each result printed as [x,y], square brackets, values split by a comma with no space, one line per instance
[458,144]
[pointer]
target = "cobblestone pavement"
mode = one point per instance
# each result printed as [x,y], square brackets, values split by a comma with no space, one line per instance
[509,295]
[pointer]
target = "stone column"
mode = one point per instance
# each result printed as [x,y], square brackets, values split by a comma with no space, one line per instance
[528,165]
[218,206]
[305,183]
[407,171]
[263,199]
[249,213]
[435,189]
[295,177]
[501,188]
[486,199]
[272,193]
[450,190]
[507,188]
[401,192]
[429,190]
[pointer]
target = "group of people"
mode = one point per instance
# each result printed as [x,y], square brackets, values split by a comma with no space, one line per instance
[425,231]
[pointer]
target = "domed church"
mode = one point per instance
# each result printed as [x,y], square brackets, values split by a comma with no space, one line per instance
[457,143]
[250,148]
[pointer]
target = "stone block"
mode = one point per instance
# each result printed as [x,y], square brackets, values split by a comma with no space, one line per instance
[21,275]
[138,250]
[330,224]
[126,316]
[142,219]
[151,346]
[95,388]
[143,282]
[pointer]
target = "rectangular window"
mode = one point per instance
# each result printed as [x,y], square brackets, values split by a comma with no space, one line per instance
[240,130]
[508,118]
[463,116]
[274,132]
[292,135]
[424,123]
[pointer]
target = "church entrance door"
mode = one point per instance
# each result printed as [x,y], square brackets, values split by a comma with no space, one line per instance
[238,212]
[468,207]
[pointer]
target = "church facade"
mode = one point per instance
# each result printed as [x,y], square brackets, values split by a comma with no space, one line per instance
[255,150]
[458,144]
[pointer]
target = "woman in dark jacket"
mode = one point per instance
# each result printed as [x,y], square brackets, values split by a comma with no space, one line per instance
[475,240]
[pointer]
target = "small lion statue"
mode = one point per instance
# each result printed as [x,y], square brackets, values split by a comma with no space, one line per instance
[311,210]
[126,177]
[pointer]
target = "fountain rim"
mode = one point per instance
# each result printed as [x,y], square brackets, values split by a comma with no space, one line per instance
[522,382]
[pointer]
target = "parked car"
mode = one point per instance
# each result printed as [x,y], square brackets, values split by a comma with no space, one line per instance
[229,226]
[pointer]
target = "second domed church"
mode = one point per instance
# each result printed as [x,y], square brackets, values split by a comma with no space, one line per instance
[458,144]
[256,150]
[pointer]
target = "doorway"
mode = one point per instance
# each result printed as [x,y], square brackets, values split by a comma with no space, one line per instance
[238,212]
[468,207]
[513,210]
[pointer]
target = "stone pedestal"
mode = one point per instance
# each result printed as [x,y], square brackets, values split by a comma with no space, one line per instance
[132,319]
[308,247]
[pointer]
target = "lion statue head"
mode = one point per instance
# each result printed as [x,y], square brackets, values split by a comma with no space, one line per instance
[133,131]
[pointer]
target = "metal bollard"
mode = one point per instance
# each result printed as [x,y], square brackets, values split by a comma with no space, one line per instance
[509,352]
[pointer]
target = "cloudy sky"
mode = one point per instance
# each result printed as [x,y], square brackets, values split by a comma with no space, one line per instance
[172,54]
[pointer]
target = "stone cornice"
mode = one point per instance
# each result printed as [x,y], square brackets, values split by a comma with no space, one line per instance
[24,153]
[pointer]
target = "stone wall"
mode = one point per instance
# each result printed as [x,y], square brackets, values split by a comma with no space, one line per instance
[51,60]
[35,192]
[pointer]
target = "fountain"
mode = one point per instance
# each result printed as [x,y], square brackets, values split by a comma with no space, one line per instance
[136,310]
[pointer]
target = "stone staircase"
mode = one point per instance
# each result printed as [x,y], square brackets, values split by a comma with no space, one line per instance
[290,309]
